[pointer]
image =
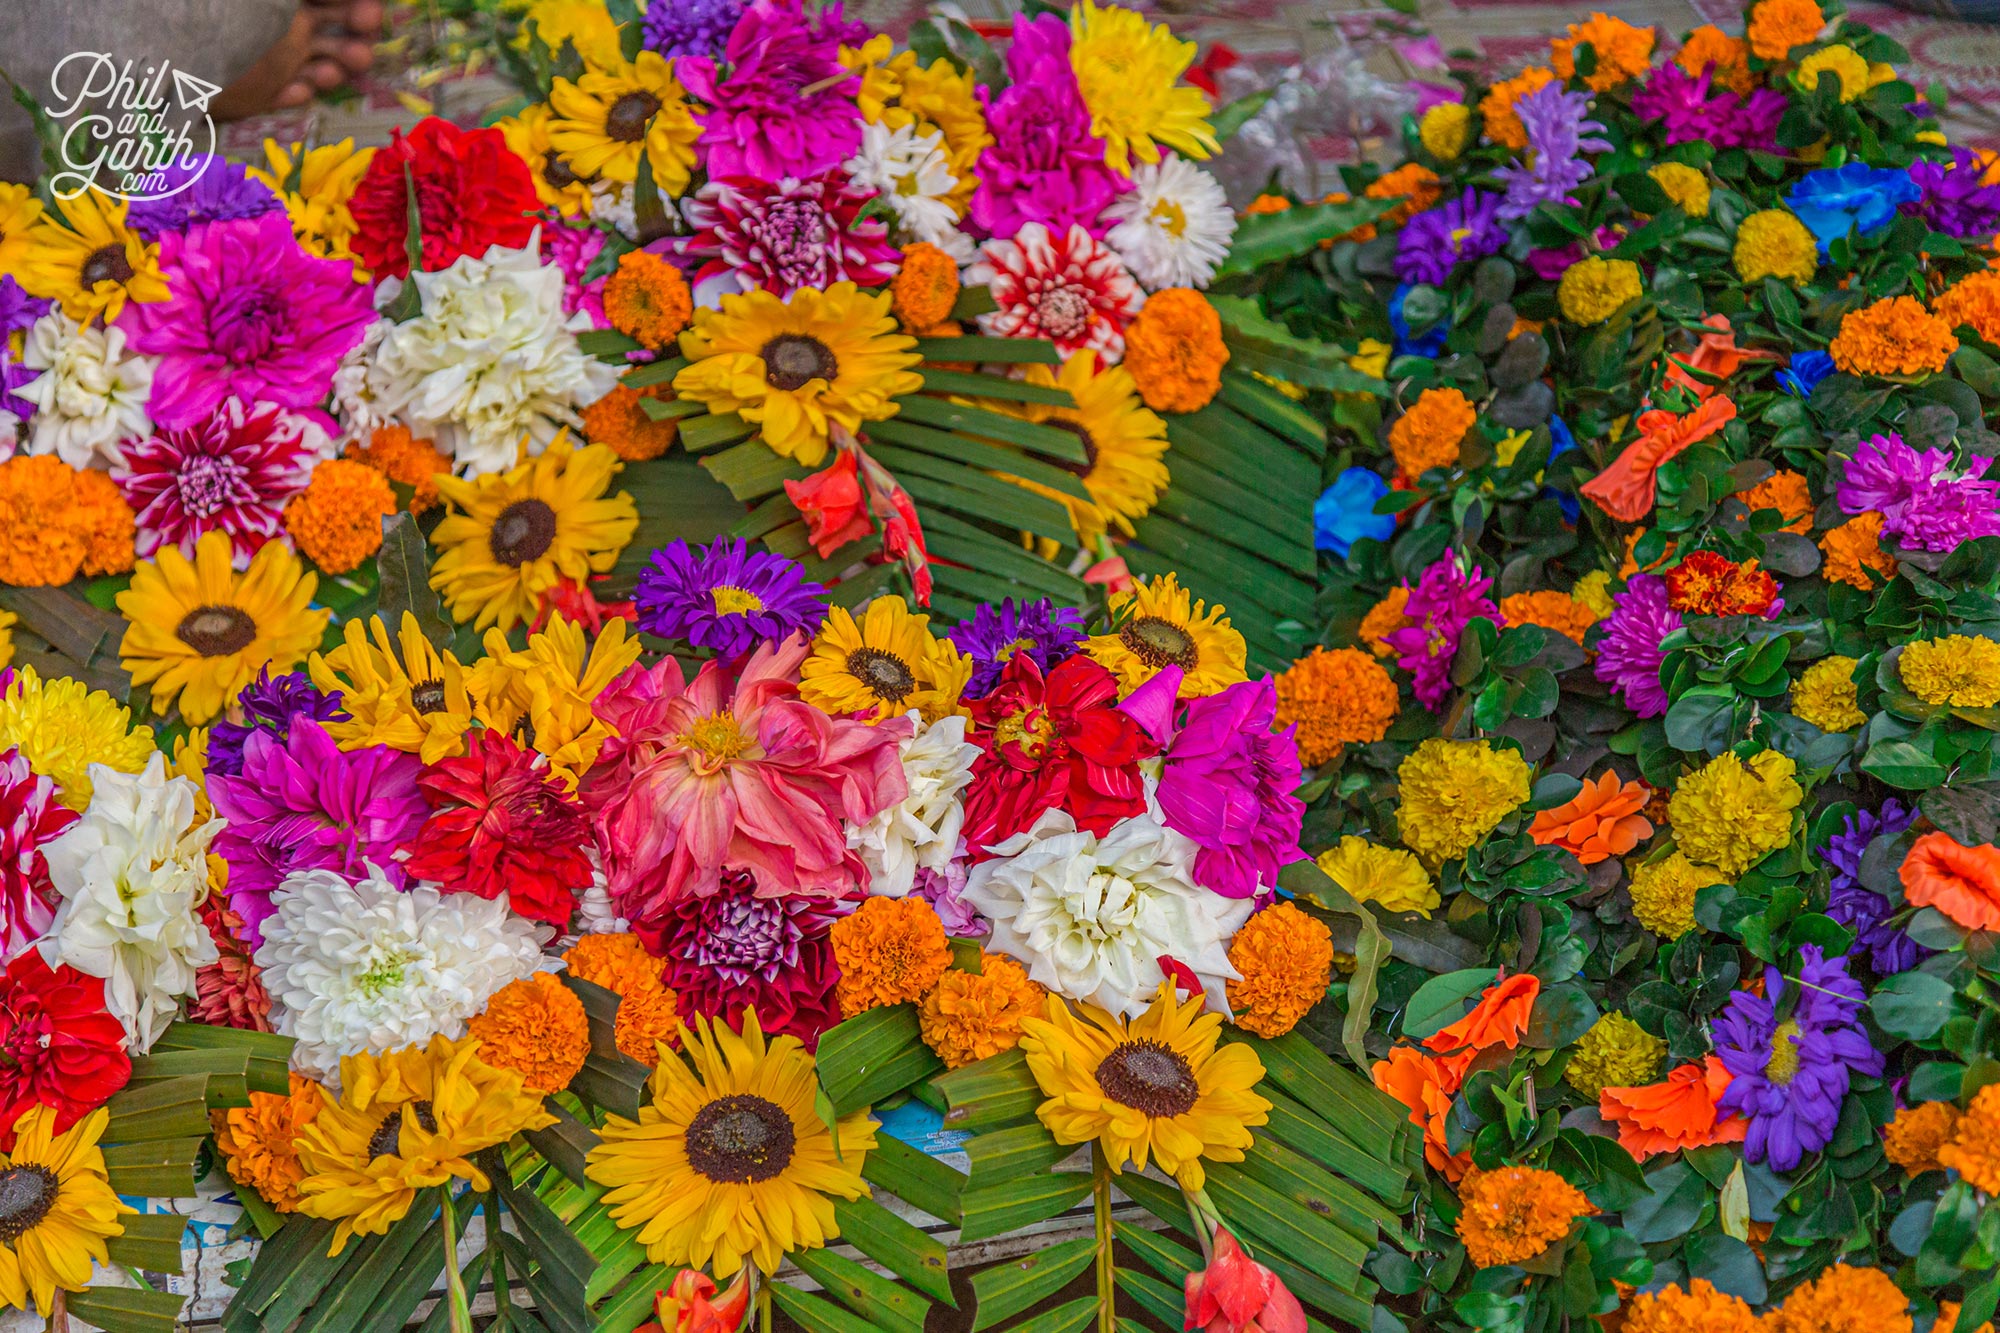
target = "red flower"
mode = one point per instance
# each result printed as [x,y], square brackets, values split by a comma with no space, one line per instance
[229,993]
[501,824]
[576,603]
[30,815]
[832,504]
[472,193]
[1236,1294]
[59,1045]
[690,1305]
[1060,741]
[1706,583]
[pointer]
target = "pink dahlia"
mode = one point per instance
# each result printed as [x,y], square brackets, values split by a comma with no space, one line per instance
[248,314]
[230,472]
[1066,287]
[30,815]
[796,233]
[786,106]
[1044,164]
[732,772]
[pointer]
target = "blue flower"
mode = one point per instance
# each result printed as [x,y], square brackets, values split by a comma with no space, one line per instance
[1804,372]
[1835,200]
[1428,343]
[1345,512]
[1563,441]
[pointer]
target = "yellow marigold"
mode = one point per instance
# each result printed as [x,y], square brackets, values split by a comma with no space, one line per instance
[7,622]
[1446,130]
[337,519]
[1371,357]
[1594,591]
[1593,290]
[1974,301]
[1175,352]
[1456,792]
[1913,1138]
[1974,1147]
[1683,184]
[1623,51]
[1286,958]
[1775,244]
[647,1013]
[620,422]
[1896,336]
[1824,695]
[925,287]
[405,461]
[1428,434]
[648,299]
[1710,48]
[1389,877]
[1843,1299]
[1787,492]
[1558,611]
[536,1027]
[1960,669]
[1513,1213]
[1615,1053]
[1731,815]
[1854,552]
[1414,184]
[1503,126]
[1663,894]
[1776,26]
[1699,1309]
[257,1142]
[890,950]
[1383,619]
[970,1016]
[1335,697]
[1839,60]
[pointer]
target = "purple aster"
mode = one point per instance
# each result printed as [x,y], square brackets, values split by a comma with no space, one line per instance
[1446,597]
[1956,201]
[1789,1076]
[736,949]
[1926,503]
[726,597]
[18,310]
[1557,133]
[1044,164]
[1860,909]
[944,891]
[678,28]
[1044,631]
[1433,242]
[1628,653]
[213,190]
[762,121]
[303,803]
[269,704]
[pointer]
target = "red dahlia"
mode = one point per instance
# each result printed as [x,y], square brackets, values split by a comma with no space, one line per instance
[229,992]
[59,1045]
[472,193]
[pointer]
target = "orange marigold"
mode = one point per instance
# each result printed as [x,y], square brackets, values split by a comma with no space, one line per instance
[256,1141]
[1384,619]
[1973,300]
[1709,47]
[619,421]
[1699,1309]
[1913,1138]
[537,1027]
[1787,492]
[55,524]
[1266,203]
[337,519]
[1174,351]
[1336,697]
[1428,434]
[1496,109]
[107,523]
[890,950]
[1623,51]
[925,288]
[1974,1147]
[1947,1320]
[1895,336]
[648,299]
[647,1013]
[1601,821]
[1513,1213]
[1286,958]
[1843,1299]
[1854,552]
[1708,583]
[1776,26]
[970,1016]
[1551,610]
[1414,184]
[405,461]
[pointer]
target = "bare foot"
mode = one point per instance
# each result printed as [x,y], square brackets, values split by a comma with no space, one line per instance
[329,43]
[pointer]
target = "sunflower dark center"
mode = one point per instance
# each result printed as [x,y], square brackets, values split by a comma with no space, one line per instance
[523,531]
[27,1193]
[885,673]
[1150,1077]
[556,171]
[387,1140]
[1159,643]
[792,360]
[217,631]
[629,116]
[1082,433]
[740,1140]
[106,264]
[427,696]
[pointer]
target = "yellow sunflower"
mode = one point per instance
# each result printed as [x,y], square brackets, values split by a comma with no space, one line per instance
[511,536]
[1160,624]
[62,726]
[584,24]
[1123,444]
[201,631]
[797,367]
[1129,73]
[93,263]
[19,211]
[607,118]
[315,185]
[57,1208]
[552,684]
[406,695]
[885,664]
[404,1122]
[730,1161]
[527,133]
[1151,1087]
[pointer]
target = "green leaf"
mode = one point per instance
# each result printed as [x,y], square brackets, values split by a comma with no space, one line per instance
[885,1304]
[1007,1154]
[1070,1318]
[1264,239]
[1444,1000]
[872,1055]
[1018,1203]
[911,1254]
[150,1241]
[405,567]
[1008,1288]
[1269,346]
[126,1309]
[1903,764]
[1233,116]
[1912,1005]
[998,351]
[1050,441]
[915,1177]
[994,386]
[1561,1015]
[1674,1202]
[991,1092]
[816,1315]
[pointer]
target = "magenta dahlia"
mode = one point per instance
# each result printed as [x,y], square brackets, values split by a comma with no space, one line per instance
[30,815]
[788,235]
[1044,164]
[786,105]
[1067,287]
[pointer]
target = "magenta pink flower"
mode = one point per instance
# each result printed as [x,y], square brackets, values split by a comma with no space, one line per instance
[786,106]
[574,250]
[1067,287]
[1044,165]
[1447,597]
[788,235]
[30,815]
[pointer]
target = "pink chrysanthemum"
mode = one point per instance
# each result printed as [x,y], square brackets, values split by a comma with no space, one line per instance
[30,815]
[232,472]
[1067,287]
[786,105]
[788,235]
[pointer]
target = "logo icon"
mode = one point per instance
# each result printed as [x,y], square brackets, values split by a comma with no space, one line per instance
[125,135]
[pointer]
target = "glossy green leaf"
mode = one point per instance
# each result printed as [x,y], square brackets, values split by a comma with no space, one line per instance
[885,1304]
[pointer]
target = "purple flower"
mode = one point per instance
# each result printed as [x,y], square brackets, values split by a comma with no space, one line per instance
[737,949]
[1433,242]
[18,310]
[726,597]
[1044,164]
[1044,631]
[1789,1076]
[761,122]
[1681,102]
[1955,201]
[678,28]
[1556,126]
[303,803]
[944,890]
[1446,597]
[1860,909]
[269,704]
[213,190]
[1926,503]
[1628,654]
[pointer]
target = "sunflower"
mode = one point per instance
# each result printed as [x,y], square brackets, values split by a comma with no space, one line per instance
[93,264]
[201,631]
[884,665]
[512,536]
[1154,1086]
[730,1161]
[57,1208]
[1123,444]
[608,117]
[19,210]
[406,1121]
[1160,624]
[799,365]
[552,683]
[527,133]
[413,700]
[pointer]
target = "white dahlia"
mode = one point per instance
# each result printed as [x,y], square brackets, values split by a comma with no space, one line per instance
[91,395]
[1173,227]
[920,832]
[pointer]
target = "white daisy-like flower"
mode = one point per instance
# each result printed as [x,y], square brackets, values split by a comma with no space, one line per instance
[1091,917]
[91,395]
[1174,226]
[354,403]
[130,873]
[491,361]
[908,170]
[920,832]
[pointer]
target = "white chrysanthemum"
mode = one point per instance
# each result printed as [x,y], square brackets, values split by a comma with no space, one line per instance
[130,872]
[920,832]
[596,914]
[614,203]
[91,395]
[1090,917]
[354,404]
[491,362]
[368,967]
[1173,227]
[911,175]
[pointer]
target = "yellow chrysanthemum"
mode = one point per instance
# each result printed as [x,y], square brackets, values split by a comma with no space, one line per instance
[1285,957]
[553,683]
[1151,1088]
[1683,184]
[1160,624]
[730,1161]
[258,1143]
[315,185]
[406,695]
[584,24]
[1615,1053]
[1594,591]
[1453,793]
[1593,290]
[1775,244]
[90,261]
[1663,894]
[611,116]
[512,536]
[1123,445]
[61,1208]
[1960,670]
[556,184]
[62,727]
[1129,72]
[19,211]
[1389,877]
[1446,130]
[898,91]
[1371,358]
[1731,815]
[1824,695]
[199,631]
[884,664]
[1839,60]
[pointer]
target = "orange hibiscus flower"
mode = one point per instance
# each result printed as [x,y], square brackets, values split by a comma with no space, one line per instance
[1499,1019]
[1962,882]
[1717,354]
[1425,1084]
[1599,822]
[1626,490]
[1678,1112]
